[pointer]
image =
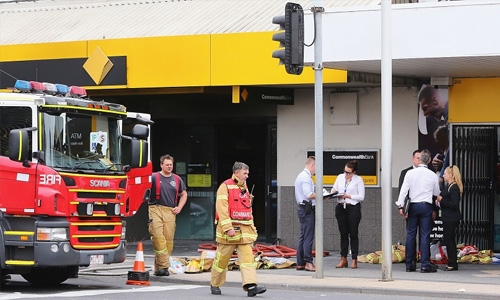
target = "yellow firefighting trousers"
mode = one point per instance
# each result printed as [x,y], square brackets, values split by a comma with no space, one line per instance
[162,229]
[245,258]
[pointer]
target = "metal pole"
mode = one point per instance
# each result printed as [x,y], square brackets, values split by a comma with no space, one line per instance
[386,72]
[318,145]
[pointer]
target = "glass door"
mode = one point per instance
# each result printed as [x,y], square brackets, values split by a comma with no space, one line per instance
[196,221]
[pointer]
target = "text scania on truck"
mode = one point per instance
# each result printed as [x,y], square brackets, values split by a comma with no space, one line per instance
[68,177]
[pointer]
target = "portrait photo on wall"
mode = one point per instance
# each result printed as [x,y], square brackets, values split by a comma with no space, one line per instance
[433,125]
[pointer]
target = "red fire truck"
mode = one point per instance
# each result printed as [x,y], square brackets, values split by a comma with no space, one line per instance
[68,177]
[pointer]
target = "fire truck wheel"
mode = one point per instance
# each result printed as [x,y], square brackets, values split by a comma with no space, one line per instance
[48,276]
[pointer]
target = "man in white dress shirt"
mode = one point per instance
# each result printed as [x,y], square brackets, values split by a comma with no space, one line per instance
[421,184]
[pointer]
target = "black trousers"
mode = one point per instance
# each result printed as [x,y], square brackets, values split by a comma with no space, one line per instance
[348,219]
[449,229]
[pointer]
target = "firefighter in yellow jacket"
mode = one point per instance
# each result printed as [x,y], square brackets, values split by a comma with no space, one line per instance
[235,230]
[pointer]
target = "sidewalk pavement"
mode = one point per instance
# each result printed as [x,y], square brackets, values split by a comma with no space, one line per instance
[471,281]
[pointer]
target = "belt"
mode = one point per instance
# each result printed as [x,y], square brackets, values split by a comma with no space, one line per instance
[423,202]
[156,204]
[312,207]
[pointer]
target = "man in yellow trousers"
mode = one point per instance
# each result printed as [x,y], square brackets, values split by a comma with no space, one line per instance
[235,230]
[168,197]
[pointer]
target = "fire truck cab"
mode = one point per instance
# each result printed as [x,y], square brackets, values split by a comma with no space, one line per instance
[64,183]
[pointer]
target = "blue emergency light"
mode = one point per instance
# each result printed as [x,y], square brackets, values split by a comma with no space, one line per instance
[62,89]
[23,86]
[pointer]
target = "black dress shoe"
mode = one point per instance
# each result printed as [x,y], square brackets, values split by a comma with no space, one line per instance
[448,268]
[428,270]
[412,269]
[215,290]
[254,290]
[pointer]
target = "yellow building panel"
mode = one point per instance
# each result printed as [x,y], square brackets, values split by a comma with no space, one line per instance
[330,75]
[173,61]
[27,52]
[182,61]
[246,59]
[468,98]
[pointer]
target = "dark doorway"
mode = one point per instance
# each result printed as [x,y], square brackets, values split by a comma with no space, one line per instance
[245,141]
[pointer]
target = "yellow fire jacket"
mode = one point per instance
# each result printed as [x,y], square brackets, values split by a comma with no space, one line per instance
[245,230]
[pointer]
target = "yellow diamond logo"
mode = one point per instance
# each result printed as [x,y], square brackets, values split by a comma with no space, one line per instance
[98,66]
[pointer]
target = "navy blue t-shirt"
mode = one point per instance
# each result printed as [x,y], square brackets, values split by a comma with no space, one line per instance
[168,189]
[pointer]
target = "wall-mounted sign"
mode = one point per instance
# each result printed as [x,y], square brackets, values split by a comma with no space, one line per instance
[334,162]
[251,94]
[199,175]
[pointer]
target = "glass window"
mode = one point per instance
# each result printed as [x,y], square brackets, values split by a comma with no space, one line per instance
[81,142]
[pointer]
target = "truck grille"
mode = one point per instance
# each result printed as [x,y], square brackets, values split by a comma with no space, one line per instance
[95,234]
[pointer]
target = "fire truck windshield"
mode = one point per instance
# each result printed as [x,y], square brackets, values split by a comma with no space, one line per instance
[81,142]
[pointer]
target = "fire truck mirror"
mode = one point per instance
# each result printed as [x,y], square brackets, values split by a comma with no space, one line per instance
[139,153]
[18,145]
[140,131]
[135,152]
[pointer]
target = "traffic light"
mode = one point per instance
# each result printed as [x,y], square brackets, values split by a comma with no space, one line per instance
[291,52]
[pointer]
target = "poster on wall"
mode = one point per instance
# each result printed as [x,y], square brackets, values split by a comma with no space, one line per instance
[433,125]
[433,135]
[335,160]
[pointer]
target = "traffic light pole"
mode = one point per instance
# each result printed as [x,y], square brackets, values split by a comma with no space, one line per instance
[291,54]
[318,145]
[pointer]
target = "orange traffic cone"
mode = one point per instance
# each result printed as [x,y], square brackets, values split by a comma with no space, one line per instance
[138,276]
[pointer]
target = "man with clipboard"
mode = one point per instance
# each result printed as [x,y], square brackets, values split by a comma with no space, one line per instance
[305,195]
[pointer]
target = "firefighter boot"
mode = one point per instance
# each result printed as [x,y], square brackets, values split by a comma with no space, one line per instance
[255,290]
[215,290]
